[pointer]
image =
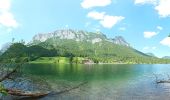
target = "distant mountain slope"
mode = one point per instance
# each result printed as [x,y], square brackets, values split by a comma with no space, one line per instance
[70,43]
[79,36]
[89,44]
[150,54]
[166,57]
[120,41]
[76,35]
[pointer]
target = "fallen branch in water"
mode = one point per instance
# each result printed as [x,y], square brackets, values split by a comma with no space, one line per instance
[161,81]
[16,92]
[40,95]
[24,93]
[69,89]
[21,93]
[9,74]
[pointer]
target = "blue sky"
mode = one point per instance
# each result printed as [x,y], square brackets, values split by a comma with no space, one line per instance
[145,24]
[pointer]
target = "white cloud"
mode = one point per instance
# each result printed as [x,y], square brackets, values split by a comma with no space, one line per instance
[95,3]
[97,29]
[146,48]
[66,26]
[149,34]
[122,28]
[159,28]
[96,15]
[149,48]
[146,2]
[5,4]
[105,20]
[166,41]
[109,21]
[6,17]
[153,48]
[163,8]
[87,24]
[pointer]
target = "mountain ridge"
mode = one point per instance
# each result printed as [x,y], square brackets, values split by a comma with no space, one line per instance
[74,44]
[79,35]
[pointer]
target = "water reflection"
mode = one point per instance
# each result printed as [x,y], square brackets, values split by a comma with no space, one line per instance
[105,82]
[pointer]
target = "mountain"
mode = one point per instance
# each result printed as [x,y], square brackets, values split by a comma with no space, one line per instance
[150,54]
[77,43]
[95,46]
[79,36]
[166,57]
[120,41]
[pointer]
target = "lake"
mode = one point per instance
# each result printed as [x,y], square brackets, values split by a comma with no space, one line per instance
[104,82]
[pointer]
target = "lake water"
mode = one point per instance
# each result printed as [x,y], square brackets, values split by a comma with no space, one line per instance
[104,82]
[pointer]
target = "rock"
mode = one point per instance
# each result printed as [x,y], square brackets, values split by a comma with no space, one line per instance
[120,41]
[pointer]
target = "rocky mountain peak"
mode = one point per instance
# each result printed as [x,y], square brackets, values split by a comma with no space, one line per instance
[120,41]
[77,35]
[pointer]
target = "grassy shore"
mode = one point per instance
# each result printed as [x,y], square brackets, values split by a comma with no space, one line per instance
[61,60]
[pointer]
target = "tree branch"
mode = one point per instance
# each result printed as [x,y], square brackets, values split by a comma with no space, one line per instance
[9,74]
[27,94]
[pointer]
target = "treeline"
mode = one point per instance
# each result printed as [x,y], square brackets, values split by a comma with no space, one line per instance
[102,52]
[18,52]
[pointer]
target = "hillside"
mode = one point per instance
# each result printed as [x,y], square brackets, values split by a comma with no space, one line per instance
[95,47]
[150,54]
[166,57]
[18,52]
[81,43]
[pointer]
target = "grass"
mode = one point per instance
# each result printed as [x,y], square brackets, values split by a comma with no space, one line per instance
[60,60]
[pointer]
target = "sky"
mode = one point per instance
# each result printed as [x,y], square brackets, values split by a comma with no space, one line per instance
[145,24]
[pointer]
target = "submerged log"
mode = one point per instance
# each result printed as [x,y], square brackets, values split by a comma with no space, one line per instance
[69,89]
[29,94]
[16,92]
[26,94]
[163,81]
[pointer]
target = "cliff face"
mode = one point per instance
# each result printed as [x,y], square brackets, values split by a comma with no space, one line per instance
[79,35]
[120,41]
[71,34]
